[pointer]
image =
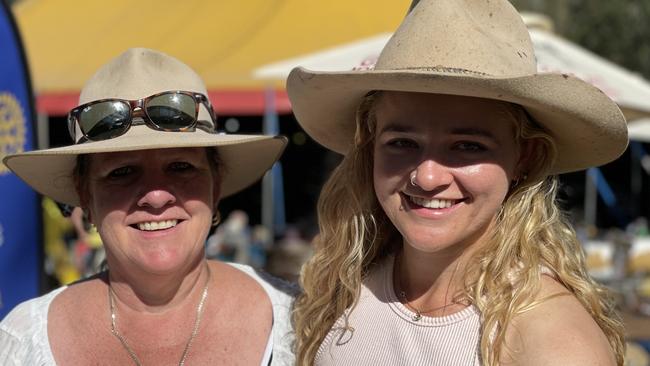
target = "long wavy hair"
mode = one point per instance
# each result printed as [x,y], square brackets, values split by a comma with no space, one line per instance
[502,280]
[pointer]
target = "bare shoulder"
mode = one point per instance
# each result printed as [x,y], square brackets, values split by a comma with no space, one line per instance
[558,331]
[244,290]
[79,299]
[77,317]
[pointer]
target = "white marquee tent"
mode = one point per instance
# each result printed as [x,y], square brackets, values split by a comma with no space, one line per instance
[554,54]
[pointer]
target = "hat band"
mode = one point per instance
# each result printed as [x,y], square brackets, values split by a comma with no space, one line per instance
[443,69]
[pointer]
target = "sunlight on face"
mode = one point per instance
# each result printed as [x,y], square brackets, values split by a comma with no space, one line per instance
[153,208]
[462,154]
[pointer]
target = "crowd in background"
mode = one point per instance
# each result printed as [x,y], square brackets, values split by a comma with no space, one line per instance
[73,248]
[236,241]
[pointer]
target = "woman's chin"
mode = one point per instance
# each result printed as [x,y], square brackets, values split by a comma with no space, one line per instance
[162,263]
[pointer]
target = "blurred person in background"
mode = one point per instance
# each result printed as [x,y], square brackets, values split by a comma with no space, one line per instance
[237,236]
[261,244]
[87,248]
[57,230]
[288,255]
[149,169]
[231,240]
[440,240]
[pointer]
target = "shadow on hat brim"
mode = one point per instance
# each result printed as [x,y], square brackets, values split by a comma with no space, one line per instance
[245,158]
[587,126]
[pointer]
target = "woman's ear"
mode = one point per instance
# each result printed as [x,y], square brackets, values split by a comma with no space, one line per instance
[216,196]
[84,203]
[87,213]
[216,192]
[527,158]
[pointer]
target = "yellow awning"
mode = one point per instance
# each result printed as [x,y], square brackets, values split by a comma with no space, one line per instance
[224,40]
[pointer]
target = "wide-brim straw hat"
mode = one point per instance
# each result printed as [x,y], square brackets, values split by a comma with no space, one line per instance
[467,48]
[136,74]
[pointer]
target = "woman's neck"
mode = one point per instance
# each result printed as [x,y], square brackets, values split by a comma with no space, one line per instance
[157,293]
[429,280]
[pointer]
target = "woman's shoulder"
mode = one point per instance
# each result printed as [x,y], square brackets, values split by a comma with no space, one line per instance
[278,290]
[23,332]
[281,294]
[557,331]
[29,314]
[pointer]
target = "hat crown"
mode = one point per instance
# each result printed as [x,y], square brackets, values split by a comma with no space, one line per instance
[141,72]
[138,73]
[489,38]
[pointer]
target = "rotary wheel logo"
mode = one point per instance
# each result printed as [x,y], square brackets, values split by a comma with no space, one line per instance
[12,128]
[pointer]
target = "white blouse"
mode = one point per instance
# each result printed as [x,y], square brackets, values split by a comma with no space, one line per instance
[24,340]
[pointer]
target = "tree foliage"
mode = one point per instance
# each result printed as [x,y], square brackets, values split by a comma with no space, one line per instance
[618,30]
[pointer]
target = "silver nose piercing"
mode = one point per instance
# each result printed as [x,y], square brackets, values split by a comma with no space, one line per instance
[414,175]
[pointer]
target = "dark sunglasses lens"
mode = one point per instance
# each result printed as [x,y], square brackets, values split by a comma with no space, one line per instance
[105,120]
[172,111]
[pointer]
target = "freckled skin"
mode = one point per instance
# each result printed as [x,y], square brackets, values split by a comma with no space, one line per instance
[462,148]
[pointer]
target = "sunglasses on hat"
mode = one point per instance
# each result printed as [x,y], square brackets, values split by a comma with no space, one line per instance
[173,111]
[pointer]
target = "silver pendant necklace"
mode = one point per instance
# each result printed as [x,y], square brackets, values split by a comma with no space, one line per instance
[195,330]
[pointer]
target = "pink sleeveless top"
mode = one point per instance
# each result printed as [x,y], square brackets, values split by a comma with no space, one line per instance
[382,331]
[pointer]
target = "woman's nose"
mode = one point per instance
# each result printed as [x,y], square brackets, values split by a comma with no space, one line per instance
[156,198]
[430,175]
[156,192]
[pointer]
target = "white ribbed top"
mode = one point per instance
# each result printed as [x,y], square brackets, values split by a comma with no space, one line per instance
[384,332]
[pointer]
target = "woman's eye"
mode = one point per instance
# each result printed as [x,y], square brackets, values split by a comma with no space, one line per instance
[402,143]
[180,166]
[470,146]
[120,172]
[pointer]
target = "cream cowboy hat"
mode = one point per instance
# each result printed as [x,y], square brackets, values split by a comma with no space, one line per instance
[469,48]
[136,74]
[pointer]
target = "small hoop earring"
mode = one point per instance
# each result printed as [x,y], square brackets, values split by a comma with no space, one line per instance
[216,219]
[520,179]
[414,175]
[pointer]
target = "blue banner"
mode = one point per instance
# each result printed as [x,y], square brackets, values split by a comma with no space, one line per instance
[20,214]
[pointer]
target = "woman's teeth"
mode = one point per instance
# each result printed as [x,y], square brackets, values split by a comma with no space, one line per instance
[432,203]
[157,225]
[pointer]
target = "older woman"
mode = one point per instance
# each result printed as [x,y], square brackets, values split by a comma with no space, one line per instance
[149,169]
[441,242]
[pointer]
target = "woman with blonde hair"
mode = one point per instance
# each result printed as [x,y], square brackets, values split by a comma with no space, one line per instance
[441,242]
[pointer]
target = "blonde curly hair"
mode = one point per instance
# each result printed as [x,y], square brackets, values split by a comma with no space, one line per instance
[502,280]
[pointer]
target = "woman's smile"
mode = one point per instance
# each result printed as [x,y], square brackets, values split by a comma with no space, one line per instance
[156,225]
[431,203]
[153,208]
[443,166]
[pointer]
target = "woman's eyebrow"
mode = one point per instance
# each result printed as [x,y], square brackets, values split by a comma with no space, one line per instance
[467,131]
[473,131]
[396,127]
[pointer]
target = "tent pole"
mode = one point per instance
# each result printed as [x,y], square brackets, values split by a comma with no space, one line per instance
[591,200]
[273,216]
[635,183]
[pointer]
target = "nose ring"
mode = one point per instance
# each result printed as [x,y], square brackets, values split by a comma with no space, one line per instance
[414,175]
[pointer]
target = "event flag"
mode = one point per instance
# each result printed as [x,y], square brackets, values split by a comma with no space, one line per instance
[20,220]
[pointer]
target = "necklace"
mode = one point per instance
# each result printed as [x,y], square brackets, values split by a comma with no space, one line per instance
[418,313]
[195,330]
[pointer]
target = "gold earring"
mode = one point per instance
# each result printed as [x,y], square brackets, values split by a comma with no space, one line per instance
[520,179]
[216,219]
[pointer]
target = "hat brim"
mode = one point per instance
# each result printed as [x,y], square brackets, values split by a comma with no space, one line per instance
[245,158]
[587,126]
